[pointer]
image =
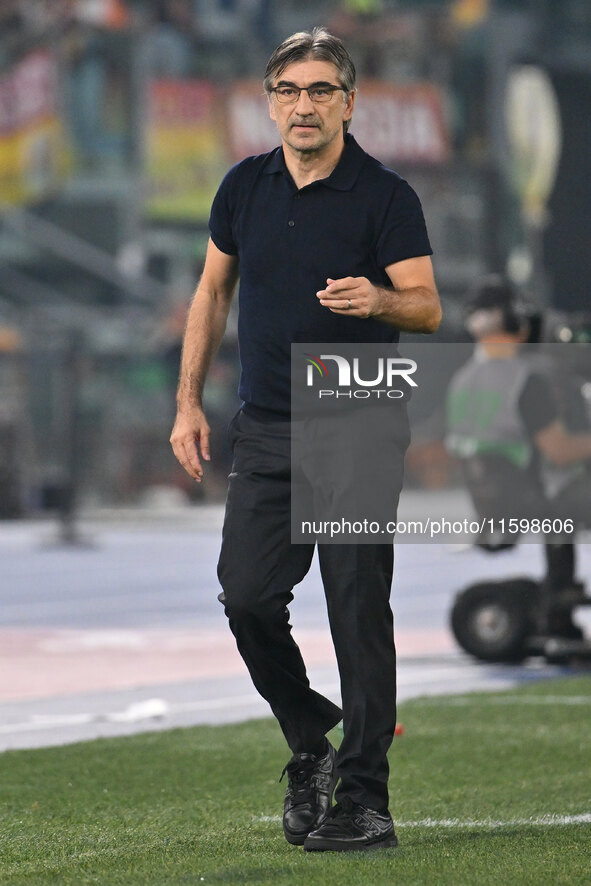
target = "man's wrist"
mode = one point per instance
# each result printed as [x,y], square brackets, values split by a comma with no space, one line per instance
[385,303]
[189,395]
[187,406]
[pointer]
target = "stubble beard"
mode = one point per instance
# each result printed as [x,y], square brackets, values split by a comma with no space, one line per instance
[306,149]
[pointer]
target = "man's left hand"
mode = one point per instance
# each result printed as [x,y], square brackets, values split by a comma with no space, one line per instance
[352,295]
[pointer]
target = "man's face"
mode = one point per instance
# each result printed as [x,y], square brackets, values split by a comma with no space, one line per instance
[308,126]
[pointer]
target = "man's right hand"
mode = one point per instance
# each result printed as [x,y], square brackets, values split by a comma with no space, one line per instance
[190,428]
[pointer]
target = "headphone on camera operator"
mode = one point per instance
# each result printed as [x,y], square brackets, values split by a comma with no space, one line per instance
[494,308]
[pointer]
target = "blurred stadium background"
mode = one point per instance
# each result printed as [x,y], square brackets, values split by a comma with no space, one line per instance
[118,119]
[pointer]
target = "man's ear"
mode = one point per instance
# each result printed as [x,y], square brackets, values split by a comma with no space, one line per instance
[349,105]
[271,107]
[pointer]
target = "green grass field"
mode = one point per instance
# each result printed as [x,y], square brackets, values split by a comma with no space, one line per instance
[479,785]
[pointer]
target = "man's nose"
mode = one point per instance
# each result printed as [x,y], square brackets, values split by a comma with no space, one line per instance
[304,104]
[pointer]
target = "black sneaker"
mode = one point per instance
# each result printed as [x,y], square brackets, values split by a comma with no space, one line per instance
[352,827]
[311,782]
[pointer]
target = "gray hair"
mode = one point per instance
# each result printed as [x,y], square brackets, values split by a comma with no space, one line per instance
[319,45]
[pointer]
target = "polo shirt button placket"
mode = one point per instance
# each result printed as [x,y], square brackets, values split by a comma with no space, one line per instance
[295,196]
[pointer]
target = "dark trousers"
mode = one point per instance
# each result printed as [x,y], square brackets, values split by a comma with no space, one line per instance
[258,569]
[573,502]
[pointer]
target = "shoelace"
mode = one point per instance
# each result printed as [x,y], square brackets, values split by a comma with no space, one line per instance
[298,771]
[298,776]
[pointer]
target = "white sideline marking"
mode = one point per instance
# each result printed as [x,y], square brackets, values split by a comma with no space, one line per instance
[154,708]
[461,701]
[159,709]
[541,821]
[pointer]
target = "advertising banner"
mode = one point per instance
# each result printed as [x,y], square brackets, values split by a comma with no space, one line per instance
[402,124]
[33,158]
[250,129]
[396,124]
[186,156]
[196,131]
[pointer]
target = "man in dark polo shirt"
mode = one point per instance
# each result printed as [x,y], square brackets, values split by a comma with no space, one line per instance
[330,246]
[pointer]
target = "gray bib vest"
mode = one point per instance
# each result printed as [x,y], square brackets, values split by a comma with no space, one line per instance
[482,408]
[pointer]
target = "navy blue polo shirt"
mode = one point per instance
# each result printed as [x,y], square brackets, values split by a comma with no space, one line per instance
[354,223]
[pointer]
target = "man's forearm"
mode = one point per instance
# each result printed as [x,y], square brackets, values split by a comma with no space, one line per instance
[206,323]
[562,447]
[573,448]
[411,310]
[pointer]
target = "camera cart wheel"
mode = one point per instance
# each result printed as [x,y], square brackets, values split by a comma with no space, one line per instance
[493,620]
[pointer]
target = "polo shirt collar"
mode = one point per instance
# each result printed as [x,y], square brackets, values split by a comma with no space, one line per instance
[343,176]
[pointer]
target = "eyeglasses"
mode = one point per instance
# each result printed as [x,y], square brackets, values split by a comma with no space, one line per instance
[320,94]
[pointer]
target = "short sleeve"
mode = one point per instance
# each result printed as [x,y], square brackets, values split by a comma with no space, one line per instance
[220,218]
[403,233]
[537,404]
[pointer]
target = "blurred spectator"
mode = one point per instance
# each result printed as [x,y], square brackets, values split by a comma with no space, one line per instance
[46,16]
[264,20]
[11,17]
[221,20]
[12,24]
[97,52]
[227,29]
[15,438]
[104,13]
[371,30]
[172,40]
